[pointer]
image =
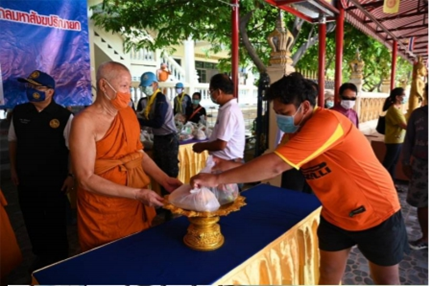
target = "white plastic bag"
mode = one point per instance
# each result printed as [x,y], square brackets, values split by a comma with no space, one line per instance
[225,193]
[202,200]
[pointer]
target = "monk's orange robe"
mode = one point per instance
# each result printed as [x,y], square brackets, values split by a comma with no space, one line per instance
[10,253]
[101,218]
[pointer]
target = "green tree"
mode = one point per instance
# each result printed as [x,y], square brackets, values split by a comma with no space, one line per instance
[172,22]
[377,58]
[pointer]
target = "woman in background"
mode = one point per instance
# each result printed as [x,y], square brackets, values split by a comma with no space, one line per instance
[395,131]
[196,111]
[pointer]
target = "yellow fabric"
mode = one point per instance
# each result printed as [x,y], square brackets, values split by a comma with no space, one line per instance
[10,253]
[291,259]
[191,163]
[150,103]
[179,100]
[394,134]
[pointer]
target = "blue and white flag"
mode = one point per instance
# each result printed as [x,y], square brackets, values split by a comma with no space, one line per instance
[51,36]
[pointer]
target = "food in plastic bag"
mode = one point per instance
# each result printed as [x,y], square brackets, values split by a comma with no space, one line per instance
[202,199]
[225,193]
[180,118]
[208,132]
[200,135]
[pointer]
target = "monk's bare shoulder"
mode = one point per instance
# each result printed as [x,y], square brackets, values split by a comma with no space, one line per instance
[84,118]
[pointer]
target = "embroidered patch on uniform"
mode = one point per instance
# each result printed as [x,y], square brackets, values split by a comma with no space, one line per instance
[34,74]
[36,95]
[54,123]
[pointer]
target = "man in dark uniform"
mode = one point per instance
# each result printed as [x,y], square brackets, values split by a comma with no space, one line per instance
[158,115]
[38,146]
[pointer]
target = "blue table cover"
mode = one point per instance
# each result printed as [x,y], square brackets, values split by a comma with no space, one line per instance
[159,256]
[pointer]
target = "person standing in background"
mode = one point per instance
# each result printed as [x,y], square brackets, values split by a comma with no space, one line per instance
[395,129]
[159,116]
[227,140]
[39,154]
[348,93]
[182,101]
[196,111]
[415,166]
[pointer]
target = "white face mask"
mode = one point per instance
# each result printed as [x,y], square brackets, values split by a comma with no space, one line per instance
[179,90]
[347,104]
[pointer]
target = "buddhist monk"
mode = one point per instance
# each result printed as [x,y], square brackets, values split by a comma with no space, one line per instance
[110,166]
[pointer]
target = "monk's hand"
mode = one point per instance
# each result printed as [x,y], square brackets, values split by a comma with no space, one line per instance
[68,185]
[222,165]
[198,148]
[149,198]
[204,180]
[171,184]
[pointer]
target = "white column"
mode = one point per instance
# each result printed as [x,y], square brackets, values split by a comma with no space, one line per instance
[189,65]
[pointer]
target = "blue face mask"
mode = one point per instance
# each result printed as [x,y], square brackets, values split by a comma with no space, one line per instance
[148,90]
[329,104]
[34,95]
[404,101]
[196,101]
[287,123]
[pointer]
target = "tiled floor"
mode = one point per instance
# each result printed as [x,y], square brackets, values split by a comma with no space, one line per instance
[413,269]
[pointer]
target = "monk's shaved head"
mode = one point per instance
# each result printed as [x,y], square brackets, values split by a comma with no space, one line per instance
[110,70]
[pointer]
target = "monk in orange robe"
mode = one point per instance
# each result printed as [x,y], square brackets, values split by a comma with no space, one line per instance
[110,165]
[10,253]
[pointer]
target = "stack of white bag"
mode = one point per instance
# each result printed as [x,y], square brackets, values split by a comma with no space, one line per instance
[201,200]
[225,193]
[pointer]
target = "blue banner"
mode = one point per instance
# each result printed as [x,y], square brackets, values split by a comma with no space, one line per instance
[48,35]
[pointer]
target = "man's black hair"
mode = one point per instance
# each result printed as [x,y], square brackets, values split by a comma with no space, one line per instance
[292,89]
[347,85]
[222,82]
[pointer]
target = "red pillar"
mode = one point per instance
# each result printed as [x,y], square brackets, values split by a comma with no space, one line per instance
[339,37]
[235,44]
[394,63]
[322,55]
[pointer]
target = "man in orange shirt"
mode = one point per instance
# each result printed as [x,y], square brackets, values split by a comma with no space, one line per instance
[359,203]
[110,165]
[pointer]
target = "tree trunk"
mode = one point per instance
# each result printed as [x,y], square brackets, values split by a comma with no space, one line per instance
[311,41]
[247,45]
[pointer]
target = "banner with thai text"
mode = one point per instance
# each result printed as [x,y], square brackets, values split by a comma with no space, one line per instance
[50,36]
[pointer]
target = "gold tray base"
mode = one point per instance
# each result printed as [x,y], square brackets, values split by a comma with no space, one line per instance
[204,233]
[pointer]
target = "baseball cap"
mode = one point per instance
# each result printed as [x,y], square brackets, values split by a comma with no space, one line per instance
[179,85]
[147,78]
[38,77]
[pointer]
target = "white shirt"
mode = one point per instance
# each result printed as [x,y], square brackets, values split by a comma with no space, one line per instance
[12,135]
[230,128]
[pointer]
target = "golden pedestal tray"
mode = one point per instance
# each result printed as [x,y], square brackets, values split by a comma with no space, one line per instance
[204,232]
